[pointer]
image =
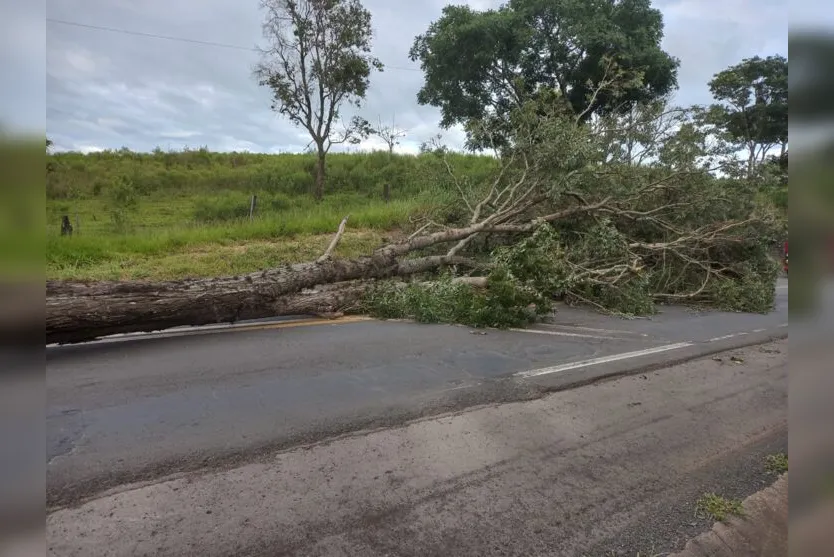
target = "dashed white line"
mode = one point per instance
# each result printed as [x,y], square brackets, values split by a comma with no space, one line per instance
[727,336]
[601,360]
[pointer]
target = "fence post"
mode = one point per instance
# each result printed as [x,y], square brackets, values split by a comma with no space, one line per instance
[66,227]
[386,192]
[252,202]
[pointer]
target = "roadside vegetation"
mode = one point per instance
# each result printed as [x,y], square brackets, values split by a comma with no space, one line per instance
[596,189]
[718,508]
[167,215]
[777,463]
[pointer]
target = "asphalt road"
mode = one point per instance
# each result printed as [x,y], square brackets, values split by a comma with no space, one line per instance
[136,408]
[609,469]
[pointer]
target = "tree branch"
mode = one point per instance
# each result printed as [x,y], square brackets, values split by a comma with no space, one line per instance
[334,242]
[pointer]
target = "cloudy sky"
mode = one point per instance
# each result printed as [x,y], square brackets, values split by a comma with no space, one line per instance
[109,89]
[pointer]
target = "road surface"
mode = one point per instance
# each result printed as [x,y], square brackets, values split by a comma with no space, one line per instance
[613,468]
[137,408]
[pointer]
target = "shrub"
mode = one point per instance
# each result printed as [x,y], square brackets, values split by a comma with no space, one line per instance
[221,208]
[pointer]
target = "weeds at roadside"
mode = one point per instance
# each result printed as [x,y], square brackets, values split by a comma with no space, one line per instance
[777,463]
[718,508]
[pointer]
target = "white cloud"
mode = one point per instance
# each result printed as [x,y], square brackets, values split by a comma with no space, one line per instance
[81,60]
[86,149]
[112,89]
[178,134]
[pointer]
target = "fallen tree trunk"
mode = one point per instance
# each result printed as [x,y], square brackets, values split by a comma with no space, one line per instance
[77,312]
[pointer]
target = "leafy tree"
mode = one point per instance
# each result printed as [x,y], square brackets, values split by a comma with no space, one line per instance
[753,106]
[481,64]
[318,59]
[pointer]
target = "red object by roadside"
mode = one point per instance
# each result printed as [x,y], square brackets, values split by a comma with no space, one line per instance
[785,265]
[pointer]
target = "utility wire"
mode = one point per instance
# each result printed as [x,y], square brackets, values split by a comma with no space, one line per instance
[178,39]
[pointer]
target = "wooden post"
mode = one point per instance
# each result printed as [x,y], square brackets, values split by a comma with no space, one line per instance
[252,203]
[386,192]
[66,226]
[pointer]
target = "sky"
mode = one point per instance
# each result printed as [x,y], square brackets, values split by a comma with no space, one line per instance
[106,90]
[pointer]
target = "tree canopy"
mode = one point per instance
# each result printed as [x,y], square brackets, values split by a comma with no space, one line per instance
[753,105]
[482,64]
[318,58]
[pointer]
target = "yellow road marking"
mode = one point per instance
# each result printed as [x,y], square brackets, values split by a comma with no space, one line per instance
[299,323]
[214,329]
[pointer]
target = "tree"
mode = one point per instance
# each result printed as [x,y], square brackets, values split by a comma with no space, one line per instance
[484,64]
[318,59]
[571,222]
[753,106]
[390,134]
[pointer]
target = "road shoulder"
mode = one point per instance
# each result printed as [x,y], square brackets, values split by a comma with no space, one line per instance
[761,532]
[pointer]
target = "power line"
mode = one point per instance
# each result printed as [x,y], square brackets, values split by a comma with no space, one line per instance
[177,39]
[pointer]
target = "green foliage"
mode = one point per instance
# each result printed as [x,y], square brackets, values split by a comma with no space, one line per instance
[749,294]
[123,201]
[505,303]
[204,173]
[490,62]
[753,109]
[536,262]
[221,208]
[777,463]
[718,508]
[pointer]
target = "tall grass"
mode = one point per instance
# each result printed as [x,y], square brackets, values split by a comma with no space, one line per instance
[79,176]
[322,219]
[184,201]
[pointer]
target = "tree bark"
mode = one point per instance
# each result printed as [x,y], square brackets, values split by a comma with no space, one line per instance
[77,312]
[320,169]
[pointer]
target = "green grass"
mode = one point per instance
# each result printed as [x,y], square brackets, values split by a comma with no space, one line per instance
[169,215]
[777,463]
[225,248]
[718,508]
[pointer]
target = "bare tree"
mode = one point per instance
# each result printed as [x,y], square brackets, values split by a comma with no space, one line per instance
[318,58]
[390,134]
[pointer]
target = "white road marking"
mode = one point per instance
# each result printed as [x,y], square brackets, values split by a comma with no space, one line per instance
[560,333]
[601,360]
[759,330]
[727,336]
[783,325]
[578,328]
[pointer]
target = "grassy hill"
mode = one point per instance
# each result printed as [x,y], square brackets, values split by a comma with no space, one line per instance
[176,214]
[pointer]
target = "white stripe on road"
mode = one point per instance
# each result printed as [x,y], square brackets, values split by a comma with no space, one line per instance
[559,333]
[578,328]
[601,360]
[727,336]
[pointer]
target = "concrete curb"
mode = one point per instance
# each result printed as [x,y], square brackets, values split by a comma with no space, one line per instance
[762,532]
[571,379]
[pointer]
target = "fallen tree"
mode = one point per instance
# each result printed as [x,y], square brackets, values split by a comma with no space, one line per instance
[575,216]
